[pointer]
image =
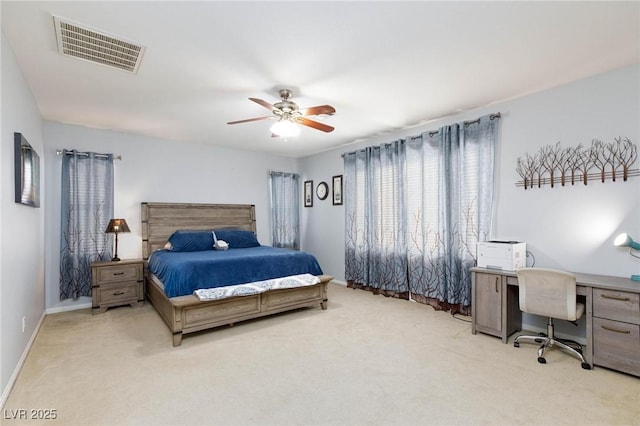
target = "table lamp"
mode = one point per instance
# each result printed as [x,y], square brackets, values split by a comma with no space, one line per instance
[624,240]
[117,226]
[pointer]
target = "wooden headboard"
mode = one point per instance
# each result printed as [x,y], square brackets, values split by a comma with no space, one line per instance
[160,220]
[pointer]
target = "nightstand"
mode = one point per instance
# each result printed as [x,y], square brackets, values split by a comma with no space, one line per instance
[116,284]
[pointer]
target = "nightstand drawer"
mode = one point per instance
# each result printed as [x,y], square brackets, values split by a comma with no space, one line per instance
[119,293]
[616,345]
[119,273]
[616,305]
[117,283]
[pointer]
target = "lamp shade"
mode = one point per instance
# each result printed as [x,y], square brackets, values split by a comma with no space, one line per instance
[117,226]
[624,240]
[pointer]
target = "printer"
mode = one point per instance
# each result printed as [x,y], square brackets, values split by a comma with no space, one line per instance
[505,255]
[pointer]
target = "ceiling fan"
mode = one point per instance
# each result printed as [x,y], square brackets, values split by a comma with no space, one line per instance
[288,113]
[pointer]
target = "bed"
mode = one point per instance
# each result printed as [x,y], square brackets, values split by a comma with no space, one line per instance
[188,313]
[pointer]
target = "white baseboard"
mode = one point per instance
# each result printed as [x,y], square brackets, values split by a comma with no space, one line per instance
[68,308]
[16,371]
[342,283]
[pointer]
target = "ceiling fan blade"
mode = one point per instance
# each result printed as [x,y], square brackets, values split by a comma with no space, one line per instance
[316,125]
[265,104]
[250,119]
[317,110]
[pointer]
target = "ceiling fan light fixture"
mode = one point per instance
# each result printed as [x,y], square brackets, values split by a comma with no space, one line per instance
[285,128]
[289,116]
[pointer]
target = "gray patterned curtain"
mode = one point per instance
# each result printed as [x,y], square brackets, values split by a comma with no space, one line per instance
[437,207]
[375,202]
[87,206]
[285,209]
[451,176]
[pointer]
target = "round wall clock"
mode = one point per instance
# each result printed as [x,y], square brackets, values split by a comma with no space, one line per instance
[322,190]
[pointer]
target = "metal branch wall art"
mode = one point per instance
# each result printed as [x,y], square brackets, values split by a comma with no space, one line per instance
[553,165]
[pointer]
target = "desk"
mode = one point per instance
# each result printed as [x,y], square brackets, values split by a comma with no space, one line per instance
[612,309]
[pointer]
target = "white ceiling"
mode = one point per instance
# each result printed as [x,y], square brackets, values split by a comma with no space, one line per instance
[382,65]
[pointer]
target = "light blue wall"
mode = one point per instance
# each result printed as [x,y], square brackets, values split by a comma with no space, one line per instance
[21,227]
[570,228]
[155,170]
[323,224]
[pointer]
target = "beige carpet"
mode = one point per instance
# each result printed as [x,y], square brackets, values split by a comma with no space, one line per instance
[367,360]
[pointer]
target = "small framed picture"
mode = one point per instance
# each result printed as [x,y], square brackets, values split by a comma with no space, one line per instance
[308,193]
[337,190]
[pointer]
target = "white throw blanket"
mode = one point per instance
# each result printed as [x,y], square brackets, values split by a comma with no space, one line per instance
[256,287]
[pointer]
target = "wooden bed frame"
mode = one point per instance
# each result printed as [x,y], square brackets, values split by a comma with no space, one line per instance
[187,314]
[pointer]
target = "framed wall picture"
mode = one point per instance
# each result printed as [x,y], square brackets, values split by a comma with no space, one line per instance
[337,190]
[308,193]
[27,172]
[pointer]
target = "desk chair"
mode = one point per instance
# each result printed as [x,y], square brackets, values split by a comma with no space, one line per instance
[553,294]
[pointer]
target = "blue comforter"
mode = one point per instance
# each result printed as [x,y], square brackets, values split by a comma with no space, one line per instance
[183,272]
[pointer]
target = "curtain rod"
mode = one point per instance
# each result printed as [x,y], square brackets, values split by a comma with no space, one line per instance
[115,157]
[491,117]
[435,132]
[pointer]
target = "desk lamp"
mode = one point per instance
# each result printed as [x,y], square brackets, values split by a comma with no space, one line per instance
[624,240]
[117,226]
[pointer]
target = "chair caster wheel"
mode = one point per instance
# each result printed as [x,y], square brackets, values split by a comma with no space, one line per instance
[586,366]
[542,360]
[516,344]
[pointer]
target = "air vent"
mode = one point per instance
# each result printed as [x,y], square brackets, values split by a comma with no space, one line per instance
[95,46]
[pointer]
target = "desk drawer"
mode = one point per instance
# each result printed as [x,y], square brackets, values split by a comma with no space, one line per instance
[616,305]
[616,345]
